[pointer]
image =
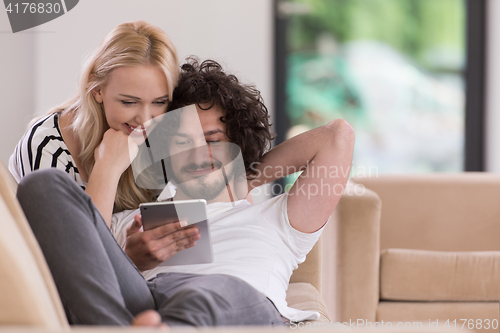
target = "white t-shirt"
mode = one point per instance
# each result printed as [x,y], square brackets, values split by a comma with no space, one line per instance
[255,243]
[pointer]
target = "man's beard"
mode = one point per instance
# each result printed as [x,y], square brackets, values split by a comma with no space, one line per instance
[206,187]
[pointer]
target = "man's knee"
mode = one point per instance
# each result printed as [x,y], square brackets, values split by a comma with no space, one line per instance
[189,306]
[42,183]
[219,300]
[238,291]
[199,298]
[223,293]
[218,293]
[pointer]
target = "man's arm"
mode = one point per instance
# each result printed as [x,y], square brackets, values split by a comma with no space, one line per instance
[325,156]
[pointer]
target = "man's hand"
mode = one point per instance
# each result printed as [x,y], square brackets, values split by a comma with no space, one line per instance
[148,249]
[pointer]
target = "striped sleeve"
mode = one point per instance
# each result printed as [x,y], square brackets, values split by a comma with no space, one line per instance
[42,146]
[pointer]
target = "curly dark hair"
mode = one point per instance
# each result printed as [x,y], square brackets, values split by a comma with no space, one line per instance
[246,117]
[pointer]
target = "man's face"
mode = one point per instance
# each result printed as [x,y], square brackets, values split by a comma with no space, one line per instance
[201,153]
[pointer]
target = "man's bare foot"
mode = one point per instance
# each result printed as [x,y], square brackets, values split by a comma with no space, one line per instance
[149,318]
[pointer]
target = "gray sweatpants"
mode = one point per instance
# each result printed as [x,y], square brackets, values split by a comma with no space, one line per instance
[99,285]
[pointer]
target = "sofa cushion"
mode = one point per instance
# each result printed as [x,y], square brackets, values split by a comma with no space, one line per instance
[429,316]
[438,211]
[419,275]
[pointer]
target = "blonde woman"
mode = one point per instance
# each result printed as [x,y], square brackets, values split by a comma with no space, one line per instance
[127,81]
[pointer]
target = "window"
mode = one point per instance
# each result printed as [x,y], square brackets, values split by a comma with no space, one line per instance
[395,69]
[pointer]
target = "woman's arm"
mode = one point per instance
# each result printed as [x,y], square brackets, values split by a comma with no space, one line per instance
[112,157]
[42,146]
[49,143]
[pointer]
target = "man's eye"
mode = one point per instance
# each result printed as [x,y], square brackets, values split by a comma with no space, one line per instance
[127,103]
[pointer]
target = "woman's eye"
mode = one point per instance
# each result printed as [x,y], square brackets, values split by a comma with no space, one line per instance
[127,103]
[180,143]
[212,141]
[161,103]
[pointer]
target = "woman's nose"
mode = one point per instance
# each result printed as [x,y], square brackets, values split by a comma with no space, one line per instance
[144,115]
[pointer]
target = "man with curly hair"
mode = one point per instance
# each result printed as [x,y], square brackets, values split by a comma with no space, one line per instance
[256,246]
[260,244]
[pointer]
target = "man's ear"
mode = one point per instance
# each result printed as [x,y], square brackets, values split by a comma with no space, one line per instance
[97,93]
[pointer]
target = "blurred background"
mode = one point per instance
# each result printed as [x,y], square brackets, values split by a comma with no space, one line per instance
[393,68]
[417,79]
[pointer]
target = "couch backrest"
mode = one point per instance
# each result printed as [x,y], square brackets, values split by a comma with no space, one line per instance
[28,293]
[11,182]
[310,270]
[442,212]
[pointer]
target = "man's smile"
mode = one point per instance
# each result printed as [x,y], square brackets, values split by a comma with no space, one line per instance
[199,172]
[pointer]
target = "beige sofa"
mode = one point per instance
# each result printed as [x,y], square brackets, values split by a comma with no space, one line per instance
[343,273]
[28,295]
[439,250]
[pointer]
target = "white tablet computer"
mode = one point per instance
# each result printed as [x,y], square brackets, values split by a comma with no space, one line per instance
[155,214]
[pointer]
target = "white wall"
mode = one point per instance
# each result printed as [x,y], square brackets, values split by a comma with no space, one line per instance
[16,84]
[493,87]
[41,67]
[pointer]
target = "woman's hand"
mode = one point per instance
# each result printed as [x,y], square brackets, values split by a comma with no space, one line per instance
[148,249]
[116,151]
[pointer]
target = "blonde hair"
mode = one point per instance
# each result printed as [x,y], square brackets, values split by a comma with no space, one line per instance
[128,44]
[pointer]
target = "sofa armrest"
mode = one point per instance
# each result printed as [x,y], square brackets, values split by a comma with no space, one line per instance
[28,294]
[304,296]
[351,256]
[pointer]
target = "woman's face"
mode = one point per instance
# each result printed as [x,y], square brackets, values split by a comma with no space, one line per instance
[133,96]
